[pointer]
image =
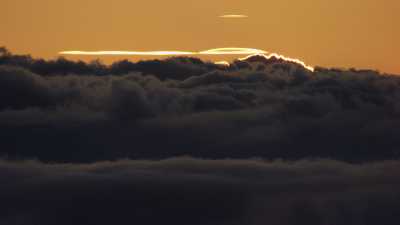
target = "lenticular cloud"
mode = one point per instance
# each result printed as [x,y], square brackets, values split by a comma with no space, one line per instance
[234,16]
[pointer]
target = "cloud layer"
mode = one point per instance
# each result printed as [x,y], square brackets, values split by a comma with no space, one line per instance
[234,16]
[194,191]
[268,142]
[255,107]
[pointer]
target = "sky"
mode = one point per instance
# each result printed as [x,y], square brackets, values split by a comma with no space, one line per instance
[341,33]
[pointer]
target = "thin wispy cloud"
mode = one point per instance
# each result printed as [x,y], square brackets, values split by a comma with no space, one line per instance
[232,51]
[216,51]
[137,53]
[234,16]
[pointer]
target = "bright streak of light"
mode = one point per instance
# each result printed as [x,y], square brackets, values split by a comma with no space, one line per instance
[222,63]
[217,51]
[135,53]
[232,51]
[233,16]
[274,55]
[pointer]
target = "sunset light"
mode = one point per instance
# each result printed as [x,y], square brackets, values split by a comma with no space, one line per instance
[199,112]
[216,51]
[232,51]
[274,55]
[137,53]
[233,16]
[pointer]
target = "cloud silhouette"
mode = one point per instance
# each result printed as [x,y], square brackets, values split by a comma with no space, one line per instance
[268,141]
[255,107]
[195,191]
[260,106]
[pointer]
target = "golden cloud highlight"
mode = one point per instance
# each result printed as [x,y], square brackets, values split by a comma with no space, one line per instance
[232,51]
[222,63]
[217,51]
[137,53]
[233,16]
[274,55]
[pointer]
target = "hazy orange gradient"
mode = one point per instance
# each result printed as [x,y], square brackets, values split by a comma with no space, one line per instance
[340,33]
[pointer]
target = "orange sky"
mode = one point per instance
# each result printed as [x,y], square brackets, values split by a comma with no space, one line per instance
[341,33]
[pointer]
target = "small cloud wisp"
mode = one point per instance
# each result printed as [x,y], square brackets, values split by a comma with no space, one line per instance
[233,16]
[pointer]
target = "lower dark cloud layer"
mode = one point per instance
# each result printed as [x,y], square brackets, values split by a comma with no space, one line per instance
[256,108]
[195,191]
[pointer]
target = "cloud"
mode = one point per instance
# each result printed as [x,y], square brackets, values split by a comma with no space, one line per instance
[138,53]
[129,101]
[276,57]
[20,88]
[233,16]
[195,191]
[250,52]
[223,63]
[217,51]
[232,51]
[269,141]
[255,107]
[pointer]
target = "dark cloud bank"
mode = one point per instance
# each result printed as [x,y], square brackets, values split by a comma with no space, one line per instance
[331,137]
[192,191]
[254,108]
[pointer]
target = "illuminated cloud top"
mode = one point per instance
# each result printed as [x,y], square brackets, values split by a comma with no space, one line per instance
[222,63]
[280,57]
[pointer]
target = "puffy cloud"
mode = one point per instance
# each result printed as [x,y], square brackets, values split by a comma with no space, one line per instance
[64,113]
[256,107]
[128,101]
[20,88]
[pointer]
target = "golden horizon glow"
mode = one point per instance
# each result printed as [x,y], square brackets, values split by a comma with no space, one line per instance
[331,34]
[234,16]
